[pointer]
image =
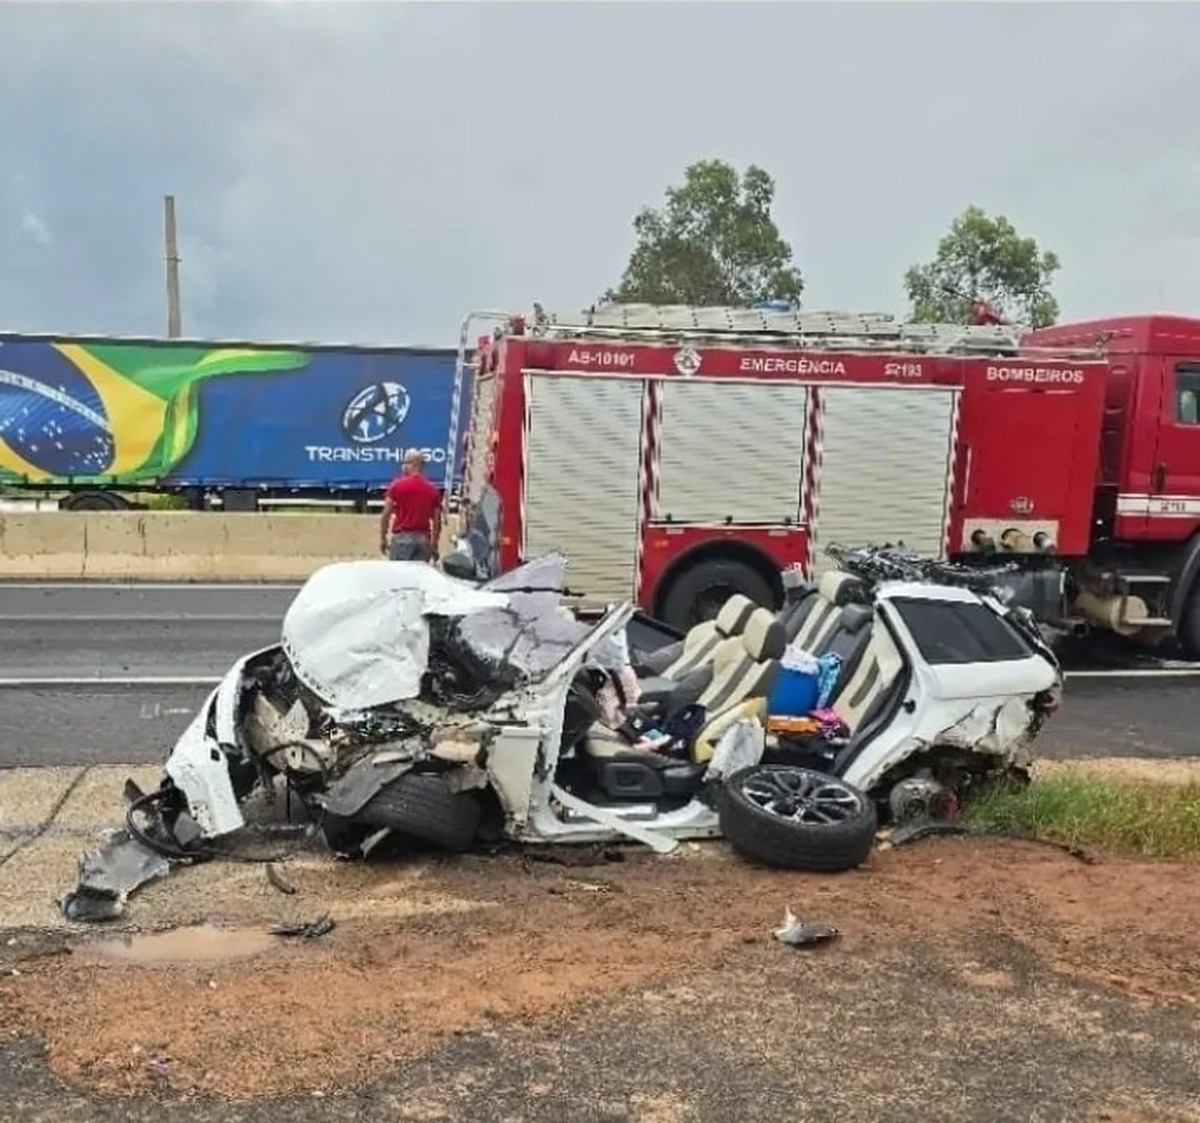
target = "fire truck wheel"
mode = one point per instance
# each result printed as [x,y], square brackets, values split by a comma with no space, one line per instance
[1189,626]
[698,592]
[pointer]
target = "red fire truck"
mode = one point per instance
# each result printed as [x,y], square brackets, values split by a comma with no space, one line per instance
[676,455]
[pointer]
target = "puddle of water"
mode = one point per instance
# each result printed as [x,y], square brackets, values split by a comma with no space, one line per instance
[202,943]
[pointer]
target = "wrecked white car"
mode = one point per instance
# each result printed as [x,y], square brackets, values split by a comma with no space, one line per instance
[403,700]
[938,689]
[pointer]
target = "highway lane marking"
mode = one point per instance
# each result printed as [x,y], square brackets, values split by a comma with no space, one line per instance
[148,586]
[51,681]
[139,617]
[1148,672]
[151,710]
[109,680]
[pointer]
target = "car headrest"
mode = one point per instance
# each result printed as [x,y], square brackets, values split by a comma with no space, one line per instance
[734,614]
[854,617]
[839,587]
[763,636]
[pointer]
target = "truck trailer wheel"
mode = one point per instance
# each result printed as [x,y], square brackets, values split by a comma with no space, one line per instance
[94,501]
[698,592]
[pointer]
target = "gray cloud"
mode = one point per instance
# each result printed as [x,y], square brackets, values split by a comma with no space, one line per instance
[373,171]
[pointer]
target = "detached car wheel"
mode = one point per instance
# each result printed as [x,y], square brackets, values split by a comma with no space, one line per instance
[797,818]
[423,805]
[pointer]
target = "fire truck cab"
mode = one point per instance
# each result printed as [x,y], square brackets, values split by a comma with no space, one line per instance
[677,455]
[1140,575]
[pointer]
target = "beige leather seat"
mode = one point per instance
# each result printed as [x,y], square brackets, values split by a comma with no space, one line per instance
[877,669]
[810,623]
[760,627]
[744,671]
[690,686]
[693,651]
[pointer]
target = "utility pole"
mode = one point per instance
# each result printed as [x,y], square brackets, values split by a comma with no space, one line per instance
[174,316]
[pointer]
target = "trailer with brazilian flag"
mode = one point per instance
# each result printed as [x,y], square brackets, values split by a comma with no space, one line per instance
[96,416]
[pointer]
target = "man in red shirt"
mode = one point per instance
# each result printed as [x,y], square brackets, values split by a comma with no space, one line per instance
[412,512]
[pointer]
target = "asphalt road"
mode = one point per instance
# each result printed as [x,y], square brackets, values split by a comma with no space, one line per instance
[104,631]
[185,634]
[117,644]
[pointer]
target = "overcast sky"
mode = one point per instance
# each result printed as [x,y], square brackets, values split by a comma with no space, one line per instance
[371,172]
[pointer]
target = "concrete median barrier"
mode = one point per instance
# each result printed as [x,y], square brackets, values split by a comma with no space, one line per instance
[179,545]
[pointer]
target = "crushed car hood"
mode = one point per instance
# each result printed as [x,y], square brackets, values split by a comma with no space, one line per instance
[359,636]
[356,634]
[534,632]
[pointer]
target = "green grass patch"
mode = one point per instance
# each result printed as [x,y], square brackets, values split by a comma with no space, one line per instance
[157,502]
[1151,820]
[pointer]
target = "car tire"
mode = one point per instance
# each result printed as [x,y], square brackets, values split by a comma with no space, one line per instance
[757,831]
[701,583]
[344,837]
[422,805]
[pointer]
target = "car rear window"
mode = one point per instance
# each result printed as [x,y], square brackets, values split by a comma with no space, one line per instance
[953,632]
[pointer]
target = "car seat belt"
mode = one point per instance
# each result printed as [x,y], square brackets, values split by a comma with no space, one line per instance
[659,843]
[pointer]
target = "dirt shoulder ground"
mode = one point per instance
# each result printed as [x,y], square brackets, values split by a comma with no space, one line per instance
[974,979]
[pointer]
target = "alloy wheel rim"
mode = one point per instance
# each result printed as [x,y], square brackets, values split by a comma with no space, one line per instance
[799,795]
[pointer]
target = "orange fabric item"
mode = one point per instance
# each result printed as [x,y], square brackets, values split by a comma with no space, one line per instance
[793,725]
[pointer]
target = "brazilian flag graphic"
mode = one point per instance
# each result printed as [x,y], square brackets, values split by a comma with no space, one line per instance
[110,410]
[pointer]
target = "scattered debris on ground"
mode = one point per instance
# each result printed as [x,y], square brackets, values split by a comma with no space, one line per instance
[313,930]
[429,950]
[800,934]
[109,875]
[934,828]
[276,879]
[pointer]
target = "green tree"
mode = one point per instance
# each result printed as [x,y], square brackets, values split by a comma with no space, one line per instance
[984,258]
[714,242]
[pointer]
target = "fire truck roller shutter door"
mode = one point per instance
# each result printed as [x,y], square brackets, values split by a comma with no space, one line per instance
[731,450]
[885,467]
[583,479]
[730,453]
